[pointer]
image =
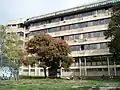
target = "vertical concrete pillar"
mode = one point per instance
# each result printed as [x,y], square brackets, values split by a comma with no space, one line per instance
[80,65]
[85,67]
[96,13]
[21,70]
[114,68]
[29,70]
[39,71]
[60,69]
[61,72]
[35,70]
[108,66]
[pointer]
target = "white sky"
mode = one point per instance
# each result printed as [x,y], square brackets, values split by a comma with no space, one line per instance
[14,9]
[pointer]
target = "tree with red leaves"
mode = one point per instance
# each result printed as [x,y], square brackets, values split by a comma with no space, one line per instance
[50,52]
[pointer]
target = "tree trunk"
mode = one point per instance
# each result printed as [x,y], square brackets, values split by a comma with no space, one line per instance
[52,72]
[45,72]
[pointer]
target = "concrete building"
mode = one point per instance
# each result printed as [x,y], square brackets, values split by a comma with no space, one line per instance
[83,29]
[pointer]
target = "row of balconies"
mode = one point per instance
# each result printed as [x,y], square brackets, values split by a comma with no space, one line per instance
[71,21]
[74,67]
[80,30]
[90,67]
[90,52]
[15,29]
[88,41]
[83,41]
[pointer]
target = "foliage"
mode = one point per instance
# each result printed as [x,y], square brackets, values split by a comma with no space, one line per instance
[2,36]
[113,31]
[49,51]
[13,47]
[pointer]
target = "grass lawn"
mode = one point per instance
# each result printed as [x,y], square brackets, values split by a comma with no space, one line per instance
[49,84]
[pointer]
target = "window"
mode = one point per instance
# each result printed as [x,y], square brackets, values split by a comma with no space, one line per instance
[25,70]
[77,36]
[82,47]
[93,46]
[90,24]
[82,62]
[41,70]
[104,62]
[32,70]
[55,20]
[101,11]
[107,21]
[85,35]
[61,18]
[105,69]
[26,35]
[96,34]
[71,37]
[69,17]
[99,69]
[72,26]
[85,24]
[93,63]
[53,29]
[118,69]
[87,47]
[88,13]
[21,33]
[88,63]
[95,22]
[103,45]
[14,25]
[90,35]
[76,26]
[99,63]
[67,27]
[66,37]
[75,48]
[62,37]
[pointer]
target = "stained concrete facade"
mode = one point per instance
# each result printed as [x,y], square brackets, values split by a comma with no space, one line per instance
[83,29]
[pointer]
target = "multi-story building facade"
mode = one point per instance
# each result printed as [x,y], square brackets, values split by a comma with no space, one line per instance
[83,29]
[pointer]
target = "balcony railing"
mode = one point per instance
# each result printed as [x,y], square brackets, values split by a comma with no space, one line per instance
[66,22]
[90,52]
[79,30]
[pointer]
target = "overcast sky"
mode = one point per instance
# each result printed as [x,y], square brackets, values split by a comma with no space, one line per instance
[15,9]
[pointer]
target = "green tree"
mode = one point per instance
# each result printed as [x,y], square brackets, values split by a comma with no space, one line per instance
[2,37]
[13,51]
[113,32]
[50,52]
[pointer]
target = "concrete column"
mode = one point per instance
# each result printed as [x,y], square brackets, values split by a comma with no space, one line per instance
[115,68]
[39,68]
[108,66]
[39,71]
[60,69]
[85,67]
[35,70]
[96,13]
[29,70]
[80,65]
[21,70]
[61,72]
[22,67]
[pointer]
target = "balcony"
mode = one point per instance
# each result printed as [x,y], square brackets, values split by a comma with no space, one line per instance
[80,30]
[87,41]
[89,52]
[66,22]
[15,29]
